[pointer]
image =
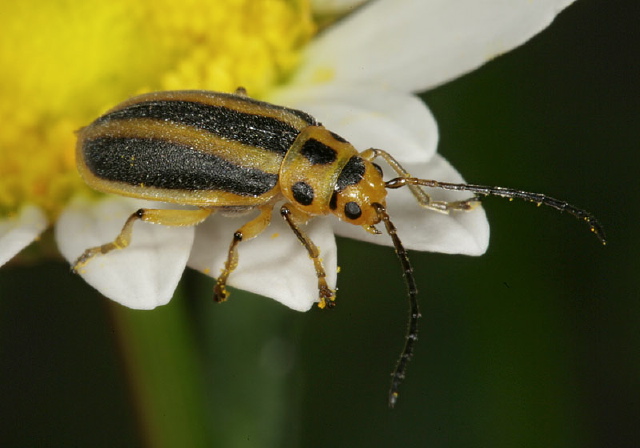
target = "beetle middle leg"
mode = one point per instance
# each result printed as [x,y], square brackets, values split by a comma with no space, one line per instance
[424,200]
[155,216]
[250,230]
[294,219]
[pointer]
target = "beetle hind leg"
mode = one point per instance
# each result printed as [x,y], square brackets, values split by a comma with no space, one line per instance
[155,216]
[250,230]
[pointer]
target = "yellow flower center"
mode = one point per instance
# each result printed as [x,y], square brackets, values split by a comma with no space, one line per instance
[66,61]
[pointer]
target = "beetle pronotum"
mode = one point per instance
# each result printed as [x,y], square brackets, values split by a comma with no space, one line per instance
[219,151]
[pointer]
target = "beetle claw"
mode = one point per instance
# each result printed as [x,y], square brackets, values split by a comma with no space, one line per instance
[220,293]
[327,298]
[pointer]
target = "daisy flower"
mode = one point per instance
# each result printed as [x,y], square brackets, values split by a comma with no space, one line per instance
[66,62]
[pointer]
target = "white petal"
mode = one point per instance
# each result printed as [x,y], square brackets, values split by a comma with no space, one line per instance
[19,231]
[425,230]
[274,264]
[141,276]
[370,117]
[334,6]
[413,45]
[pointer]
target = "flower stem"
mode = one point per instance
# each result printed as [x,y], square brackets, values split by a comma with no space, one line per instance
[164,374]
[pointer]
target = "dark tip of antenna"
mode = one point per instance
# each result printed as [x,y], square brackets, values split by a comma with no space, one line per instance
[597,228]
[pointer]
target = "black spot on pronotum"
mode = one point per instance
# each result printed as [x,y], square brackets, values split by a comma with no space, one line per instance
[351,174]
[317,153]
[333,202]
[352,210]
[302,193]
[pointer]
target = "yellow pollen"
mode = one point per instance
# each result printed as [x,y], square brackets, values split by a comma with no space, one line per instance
[324,75]
[65,62]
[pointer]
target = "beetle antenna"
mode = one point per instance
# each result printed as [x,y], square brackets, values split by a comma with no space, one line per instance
[398,374]
[510,193]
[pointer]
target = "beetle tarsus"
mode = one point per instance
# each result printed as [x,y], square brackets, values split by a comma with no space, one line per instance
[220,293]
[327,298]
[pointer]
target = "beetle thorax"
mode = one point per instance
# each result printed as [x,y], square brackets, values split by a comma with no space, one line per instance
[322,173]
[311,168]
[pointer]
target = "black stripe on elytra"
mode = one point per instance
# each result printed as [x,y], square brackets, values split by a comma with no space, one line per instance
[351,174]
[164,164]
[298,113]
[264,132]
[317,153]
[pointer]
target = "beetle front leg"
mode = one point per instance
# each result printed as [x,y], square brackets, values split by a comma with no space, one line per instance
[155,216]
[424,200]
[250,230]
[327,295]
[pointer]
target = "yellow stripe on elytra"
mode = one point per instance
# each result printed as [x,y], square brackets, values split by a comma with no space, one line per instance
[201,140]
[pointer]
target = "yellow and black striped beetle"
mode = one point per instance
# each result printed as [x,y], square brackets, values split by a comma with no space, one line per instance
[218,151]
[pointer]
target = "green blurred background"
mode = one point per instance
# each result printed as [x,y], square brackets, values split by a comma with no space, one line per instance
[534,344]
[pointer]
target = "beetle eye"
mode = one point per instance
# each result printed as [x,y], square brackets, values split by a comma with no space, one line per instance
[352,210]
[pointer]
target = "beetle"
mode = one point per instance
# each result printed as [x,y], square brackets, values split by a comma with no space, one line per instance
[227,151]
